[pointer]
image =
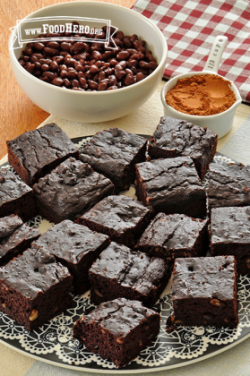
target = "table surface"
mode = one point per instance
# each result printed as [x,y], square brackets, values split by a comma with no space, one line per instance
[19,114]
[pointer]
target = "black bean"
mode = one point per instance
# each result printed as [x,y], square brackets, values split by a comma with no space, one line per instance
[38,65]
[75,83]
[112,88]
[58,81]
[129,79]
[139,76]
[53,66]
[38,46]
[45,67]
[72,74]
[33,58]
[53,45]
[93,85]
[102,86]
[94,69]
[49,74]
[50,51]
[120,74]
[96,55]
[126,43]
[123,55]
[30,67]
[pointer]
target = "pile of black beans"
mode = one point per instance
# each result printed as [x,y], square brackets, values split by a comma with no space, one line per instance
[89,66]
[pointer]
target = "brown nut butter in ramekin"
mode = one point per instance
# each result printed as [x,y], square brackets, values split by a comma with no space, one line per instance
[206,94]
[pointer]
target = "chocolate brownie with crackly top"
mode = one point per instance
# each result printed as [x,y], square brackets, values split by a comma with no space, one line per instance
[176,235]
[114,153]
[35,153]
[118,330]
[120,272]
[229,185]
[76,247]
[34,288]
[204,291]
[15,237]
[122,218]
[16,197]
[70,190]
[175,137]
[171,185]
[230,235]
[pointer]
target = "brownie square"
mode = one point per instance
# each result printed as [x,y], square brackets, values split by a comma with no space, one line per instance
[76,247]
[175,137]
[122,218]
[171,186]
[122,273]
[35,153]
[34,288]
[175,235]
[118,330]
[15,237]
[229,185]
[204,291]
[16,197]
[114,154]
[70,190]
[230,235]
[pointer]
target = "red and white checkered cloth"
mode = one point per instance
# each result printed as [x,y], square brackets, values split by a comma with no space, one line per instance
[190,27]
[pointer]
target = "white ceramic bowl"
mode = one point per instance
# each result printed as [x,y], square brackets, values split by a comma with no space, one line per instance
[94,106]
[219,123]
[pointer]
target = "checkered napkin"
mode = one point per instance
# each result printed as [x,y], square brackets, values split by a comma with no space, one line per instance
[190,27]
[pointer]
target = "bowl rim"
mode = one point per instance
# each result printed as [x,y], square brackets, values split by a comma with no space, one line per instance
[107,92]
[200,117]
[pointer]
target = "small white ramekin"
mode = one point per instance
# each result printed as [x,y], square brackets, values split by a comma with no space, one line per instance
[219,123]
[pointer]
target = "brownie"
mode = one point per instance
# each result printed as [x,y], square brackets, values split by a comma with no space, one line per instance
[175,235]
[34,288]
[122,273]
[16,197]
[35,153]
[15,237]
[122,218]
[229,185]
[114,153]
[204,291]
[70,190]
[171,185]
[230,235]
[175,137]
[76,247]
[118,330]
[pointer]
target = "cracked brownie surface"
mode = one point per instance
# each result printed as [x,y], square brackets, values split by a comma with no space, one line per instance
[70,190]
[34,288]
[229,185]
[174,236]
[37,152]
[16,197]
[122,218]
[174,137]
[204,291]
[171,185]
[76,247]
[118,330]
[15,237]
[230,235]
[114,153]
[120,272]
